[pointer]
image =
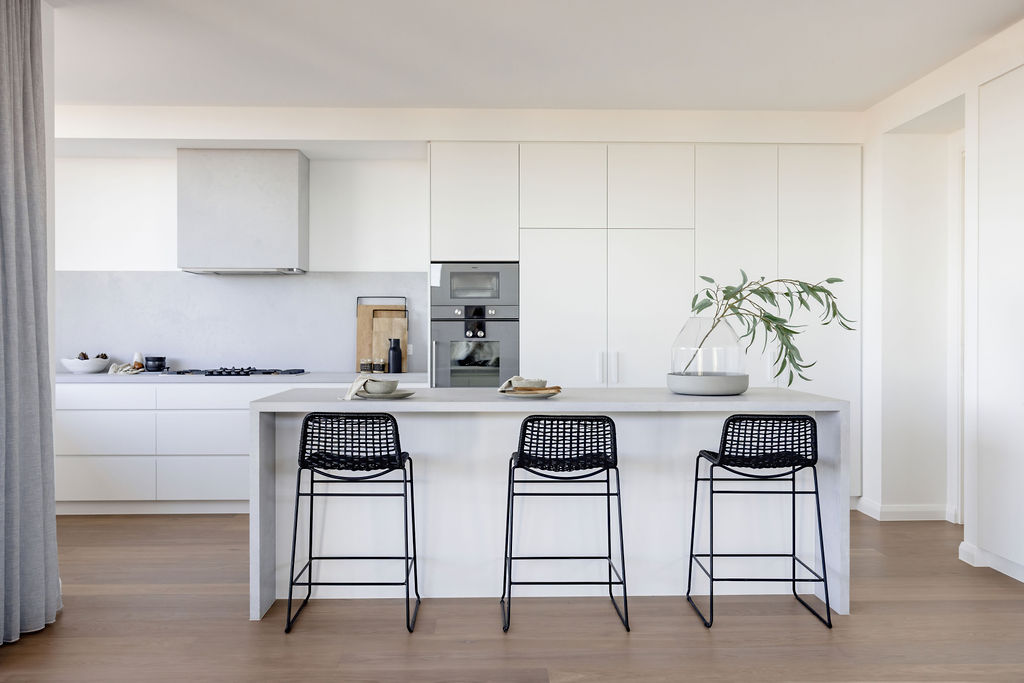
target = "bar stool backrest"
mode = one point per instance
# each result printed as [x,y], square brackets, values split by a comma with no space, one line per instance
[350,441]
[568,442]
[768,441]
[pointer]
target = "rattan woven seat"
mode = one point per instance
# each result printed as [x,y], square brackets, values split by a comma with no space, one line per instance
[558,444]
[357,442]
[785,459]
[764,442]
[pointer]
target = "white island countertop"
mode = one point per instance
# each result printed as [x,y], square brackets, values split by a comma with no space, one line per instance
[614,400]
[461,439]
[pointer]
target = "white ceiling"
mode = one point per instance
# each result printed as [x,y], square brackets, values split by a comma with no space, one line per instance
[605,54]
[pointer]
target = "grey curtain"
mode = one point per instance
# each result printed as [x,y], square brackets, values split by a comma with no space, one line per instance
[29,583]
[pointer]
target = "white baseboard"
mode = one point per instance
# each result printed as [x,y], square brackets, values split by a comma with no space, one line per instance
[902,513]
[976,557]
[154,507]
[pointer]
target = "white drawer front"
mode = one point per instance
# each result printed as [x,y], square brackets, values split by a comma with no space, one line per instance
[105,477]
[202,432]
[213,396]
[202,477]
[105,432]
[105,397]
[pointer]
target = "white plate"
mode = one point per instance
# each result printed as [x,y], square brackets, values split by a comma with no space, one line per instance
[392,395]
[530,394]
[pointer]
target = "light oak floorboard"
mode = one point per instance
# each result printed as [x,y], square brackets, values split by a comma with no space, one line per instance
[164,598]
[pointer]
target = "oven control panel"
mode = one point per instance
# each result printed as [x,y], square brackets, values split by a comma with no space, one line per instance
[474,312]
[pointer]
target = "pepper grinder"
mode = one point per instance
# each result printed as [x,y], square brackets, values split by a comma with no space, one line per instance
[395,355]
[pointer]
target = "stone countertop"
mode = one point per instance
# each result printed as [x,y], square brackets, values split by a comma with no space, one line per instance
[158,378]
[603,400]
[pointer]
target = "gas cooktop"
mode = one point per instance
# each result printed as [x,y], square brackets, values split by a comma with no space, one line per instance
[236,372]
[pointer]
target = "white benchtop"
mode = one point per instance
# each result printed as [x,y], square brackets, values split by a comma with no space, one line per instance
[160,378]
[612,400]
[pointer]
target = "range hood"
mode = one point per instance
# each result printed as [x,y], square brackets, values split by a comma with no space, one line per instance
[243,211]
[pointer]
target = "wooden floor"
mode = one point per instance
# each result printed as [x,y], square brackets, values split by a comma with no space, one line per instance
[163,598]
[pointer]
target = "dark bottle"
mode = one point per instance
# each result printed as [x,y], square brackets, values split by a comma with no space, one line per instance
[395,355]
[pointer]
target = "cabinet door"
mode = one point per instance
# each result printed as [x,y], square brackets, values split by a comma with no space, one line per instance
[737,224]
[104,432]
[563,306]
[650,284]
[650,185]
[819,237]
[563,185]
[474,201]
[104,477]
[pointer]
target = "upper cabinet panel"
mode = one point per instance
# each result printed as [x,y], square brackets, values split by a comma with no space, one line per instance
[563,185]
[737,211]
[474,201]
[650,185]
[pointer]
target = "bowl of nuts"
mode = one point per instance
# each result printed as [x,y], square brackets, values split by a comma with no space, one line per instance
[83,364]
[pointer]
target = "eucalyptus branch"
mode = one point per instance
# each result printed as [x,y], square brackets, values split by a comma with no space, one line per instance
[758,303]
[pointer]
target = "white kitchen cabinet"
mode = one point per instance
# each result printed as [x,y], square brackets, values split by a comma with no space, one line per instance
[104,477]
[195,396]
[104,397]
[650,185]
[368,215]
[105,432]
[206,477]
[737,210]
[563,185]
[737,225]
[202,432]
[819,237]
[474,201]
[563,306]
[650,284]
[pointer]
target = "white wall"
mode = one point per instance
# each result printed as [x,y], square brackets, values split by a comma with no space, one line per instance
[1000,467]
[963,76]
[914,324]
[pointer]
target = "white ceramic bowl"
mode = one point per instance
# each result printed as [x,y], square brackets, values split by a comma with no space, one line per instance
[85,366]
[524,383]
[381,386]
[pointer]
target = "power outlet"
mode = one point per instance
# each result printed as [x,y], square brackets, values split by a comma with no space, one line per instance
[408,349]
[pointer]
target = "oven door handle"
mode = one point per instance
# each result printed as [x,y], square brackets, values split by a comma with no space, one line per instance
[433,363]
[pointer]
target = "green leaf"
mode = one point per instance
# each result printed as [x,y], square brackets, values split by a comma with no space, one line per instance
[705,278]
[744,274]
[833,280]
[701,305]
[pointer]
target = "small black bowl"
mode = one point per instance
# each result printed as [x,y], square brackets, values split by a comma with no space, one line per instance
[156,363]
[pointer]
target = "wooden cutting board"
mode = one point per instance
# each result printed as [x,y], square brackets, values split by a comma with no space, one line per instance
[375,324]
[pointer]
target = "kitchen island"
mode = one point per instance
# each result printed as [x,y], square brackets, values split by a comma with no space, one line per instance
[460,441]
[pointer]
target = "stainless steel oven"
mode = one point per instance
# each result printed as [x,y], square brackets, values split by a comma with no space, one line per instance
[474,324]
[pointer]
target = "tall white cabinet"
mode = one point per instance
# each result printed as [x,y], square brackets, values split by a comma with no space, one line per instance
[604,293]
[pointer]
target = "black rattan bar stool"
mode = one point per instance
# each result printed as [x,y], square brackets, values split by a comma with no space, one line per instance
[583,449]
[761,442]
[333,447]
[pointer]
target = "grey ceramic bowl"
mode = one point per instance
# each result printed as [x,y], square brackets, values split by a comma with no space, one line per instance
[381,386]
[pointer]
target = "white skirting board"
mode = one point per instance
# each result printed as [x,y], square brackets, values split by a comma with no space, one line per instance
[976,557]
[902,513]
[149,507]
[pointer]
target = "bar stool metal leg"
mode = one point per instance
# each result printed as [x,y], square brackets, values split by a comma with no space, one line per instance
[707,621]
[624,613]
[827,619]
[289,617]
[410,562]
[506,578]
